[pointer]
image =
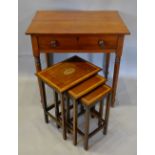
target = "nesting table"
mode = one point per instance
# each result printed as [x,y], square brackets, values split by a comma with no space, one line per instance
[63,76]
[77,79]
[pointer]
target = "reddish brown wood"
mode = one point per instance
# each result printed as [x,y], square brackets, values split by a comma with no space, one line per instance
[86,132]
[38,68]
[56,106]
[98,43]
[95,95]
[77,22]
[86,86]
[107,114]
[48,60]
[42,89]
[107,61]
[63,116]
[68,73]
[78,31]
[75,122]
[116,68]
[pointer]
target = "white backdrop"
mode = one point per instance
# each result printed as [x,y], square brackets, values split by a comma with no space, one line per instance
[127,9]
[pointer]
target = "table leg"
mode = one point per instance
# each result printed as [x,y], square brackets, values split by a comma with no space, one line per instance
[86,133]
[118,55]
[49,59]
[41,88]
[56,106]
[107,61]
[63,116]
[107,115]
[100,113]
[115,79]
[68,110]
[75,111]
[92,109]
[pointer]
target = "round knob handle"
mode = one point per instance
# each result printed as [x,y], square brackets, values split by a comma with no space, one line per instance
[54,43]
[101,43]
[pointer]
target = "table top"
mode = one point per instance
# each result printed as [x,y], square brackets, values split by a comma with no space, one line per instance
[96,95]
[77,22]
[68,73]
[86,86]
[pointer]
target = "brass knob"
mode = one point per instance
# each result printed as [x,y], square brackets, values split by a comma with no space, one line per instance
[101,43]
[54,43]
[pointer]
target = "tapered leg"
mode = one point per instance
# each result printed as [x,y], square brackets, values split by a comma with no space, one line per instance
[41,88]
[63,117]
[107,115]
[107,61]
[100,112]
[115,78]
[86,133]
[56,106]
[75,111]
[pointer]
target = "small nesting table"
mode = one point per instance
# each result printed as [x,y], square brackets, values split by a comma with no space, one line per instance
[88,94]
[90,100]
[61,77]
[77,92]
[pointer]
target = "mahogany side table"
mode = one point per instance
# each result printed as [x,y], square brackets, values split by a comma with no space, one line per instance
[78,31]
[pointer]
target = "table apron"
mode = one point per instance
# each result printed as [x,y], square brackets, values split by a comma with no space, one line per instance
[77,43]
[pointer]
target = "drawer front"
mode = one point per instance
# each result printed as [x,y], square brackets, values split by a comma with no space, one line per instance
[77,43]
[98,42]
[51,42]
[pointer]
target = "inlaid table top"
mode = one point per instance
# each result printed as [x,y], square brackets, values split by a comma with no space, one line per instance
[86,86]
[68,73]
[96,95]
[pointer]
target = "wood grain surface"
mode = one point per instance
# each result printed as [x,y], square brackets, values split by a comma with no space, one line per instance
[77,22]
[68,73]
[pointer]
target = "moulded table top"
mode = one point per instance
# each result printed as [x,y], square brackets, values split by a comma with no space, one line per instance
[77,22]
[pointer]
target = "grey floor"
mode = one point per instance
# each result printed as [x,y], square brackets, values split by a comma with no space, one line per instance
[38,138]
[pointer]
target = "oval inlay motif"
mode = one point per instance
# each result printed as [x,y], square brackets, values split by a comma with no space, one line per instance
[69,71]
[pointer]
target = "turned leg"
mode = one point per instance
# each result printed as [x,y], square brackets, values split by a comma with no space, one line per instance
[100,113]
[115,78]
[75,111]
[63,116]
[107,115]
[107,61]
[86,132]
[41,88]
[118,55]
